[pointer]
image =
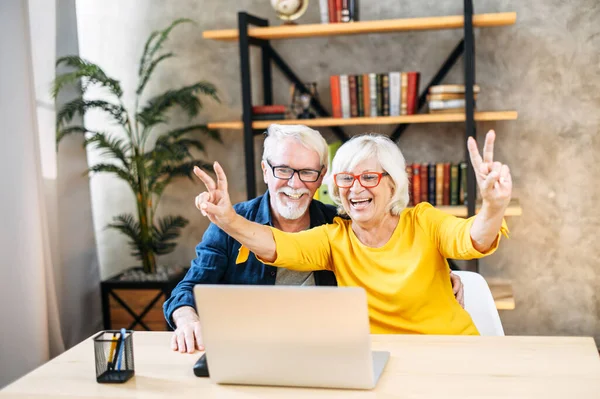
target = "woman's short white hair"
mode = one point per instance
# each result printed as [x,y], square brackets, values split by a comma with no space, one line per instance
[306,136]
[389,156]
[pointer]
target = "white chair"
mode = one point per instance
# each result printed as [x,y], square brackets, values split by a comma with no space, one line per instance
[479,302]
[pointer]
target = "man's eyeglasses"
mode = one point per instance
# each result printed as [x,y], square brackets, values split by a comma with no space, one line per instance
[367,179]
[286,173]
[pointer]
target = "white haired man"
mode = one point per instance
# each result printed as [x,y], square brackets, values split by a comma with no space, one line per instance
[294,163]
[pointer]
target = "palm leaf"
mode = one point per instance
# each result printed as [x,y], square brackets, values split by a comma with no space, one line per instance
[80,106]
[84,69]
[126,224]
[119,171]
[213,134]
[61,133]
[168,229]
[162,178]
[146,76]
[185,97]
[118,148]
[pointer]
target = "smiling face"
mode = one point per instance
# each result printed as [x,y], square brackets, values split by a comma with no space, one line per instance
[367,205]
[290,198]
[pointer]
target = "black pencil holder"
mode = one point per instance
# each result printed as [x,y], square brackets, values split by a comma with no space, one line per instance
[113,353]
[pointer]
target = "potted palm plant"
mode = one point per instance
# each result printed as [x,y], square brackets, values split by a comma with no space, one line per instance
[146,161]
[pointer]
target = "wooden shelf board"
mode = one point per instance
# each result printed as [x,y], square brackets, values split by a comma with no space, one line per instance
[363,27]
[514,209]
[379,120]
[502,292]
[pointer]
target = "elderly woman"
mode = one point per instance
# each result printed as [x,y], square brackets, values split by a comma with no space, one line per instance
[398,255]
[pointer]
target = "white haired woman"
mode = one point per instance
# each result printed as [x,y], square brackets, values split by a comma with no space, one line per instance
[398,255]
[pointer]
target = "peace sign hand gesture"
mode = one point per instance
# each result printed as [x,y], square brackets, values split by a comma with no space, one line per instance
[493,178]
[215,203]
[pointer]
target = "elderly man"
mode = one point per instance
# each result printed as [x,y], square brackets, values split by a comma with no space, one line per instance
[294,163]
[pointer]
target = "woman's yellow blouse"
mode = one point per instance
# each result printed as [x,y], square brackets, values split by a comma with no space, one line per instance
[406,280]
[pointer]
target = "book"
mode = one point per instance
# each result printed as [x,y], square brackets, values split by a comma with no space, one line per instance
[409,175]
[360,103]
[345,11]
[424,182]
[394,78]
[416,183]
[447,96]
[446,195]
[338,10]
[462,192]
[412,93]
[332,11]
[373,93]
[366,94]
[324,11]
[451,89]
[336,102]
[446,104]
[447,111]
[353,99]
[268,117]
[379,95]
[431,183]
[269,109]
[439,183]
[354,10]
[385,93]
[345,96]
[404,94]
[454,184]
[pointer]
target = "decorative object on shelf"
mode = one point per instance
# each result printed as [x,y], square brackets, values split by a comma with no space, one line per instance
[300,104]
[289,10]
[146,168]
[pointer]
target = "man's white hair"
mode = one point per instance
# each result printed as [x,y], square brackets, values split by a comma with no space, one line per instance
[384,151]
[305,136]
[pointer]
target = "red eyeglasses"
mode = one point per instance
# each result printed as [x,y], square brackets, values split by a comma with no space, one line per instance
[367,179]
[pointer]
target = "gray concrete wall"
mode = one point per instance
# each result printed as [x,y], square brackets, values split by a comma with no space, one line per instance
[546,67]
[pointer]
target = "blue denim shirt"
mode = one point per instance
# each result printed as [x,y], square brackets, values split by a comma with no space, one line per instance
[217,252]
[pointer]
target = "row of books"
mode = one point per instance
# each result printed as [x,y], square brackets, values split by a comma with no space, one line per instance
[335,11]
[448,98]
[441,183]
[374,94]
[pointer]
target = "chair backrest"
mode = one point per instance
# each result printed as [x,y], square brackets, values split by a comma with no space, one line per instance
[479,302]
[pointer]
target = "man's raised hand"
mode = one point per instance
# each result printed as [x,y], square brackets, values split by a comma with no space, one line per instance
[215,203]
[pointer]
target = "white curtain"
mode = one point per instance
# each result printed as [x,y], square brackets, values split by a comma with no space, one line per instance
[49,298]
[30,327]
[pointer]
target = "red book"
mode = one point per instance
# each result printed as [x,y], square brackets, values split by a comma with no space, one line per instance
[409,174]
[416,187]
[446,196]
[268,109]
[331,10]
[338,10]
[353,96]
[424,182]
[336,102]
[412,93]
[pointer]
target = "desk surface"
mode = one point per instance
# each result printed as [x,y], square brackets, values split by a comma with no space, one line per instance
[419,367]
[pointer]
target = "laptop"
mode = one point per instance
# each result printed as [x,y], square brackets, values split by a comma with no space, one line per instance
[288,336]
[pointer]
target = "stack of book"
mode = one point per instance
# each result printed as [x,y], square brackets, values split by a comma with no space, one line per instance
[334,11]
[441,183]
[448,99]
[374,94]
[268,112]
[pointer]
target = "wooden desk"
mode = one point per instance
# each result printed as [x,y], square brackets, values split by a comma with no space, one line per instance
[419,367]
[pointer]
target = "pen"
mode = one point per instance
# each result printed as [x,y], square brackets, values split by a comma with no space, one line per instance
[111,355]
[120,355]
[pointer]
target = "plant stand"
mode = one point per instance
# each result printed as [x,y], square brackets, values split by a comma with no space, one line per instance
[138,296]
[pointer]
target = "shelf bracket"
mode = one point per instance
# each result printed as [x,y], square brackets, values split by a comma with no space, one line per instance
[436,80]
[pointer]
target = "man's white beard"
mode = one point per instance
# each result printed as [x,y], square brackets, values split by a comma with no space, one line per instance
[292,210]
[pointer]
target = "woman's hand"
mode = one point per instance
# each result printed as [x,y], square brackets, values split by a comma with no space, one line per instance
[215,203]
[493,178]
